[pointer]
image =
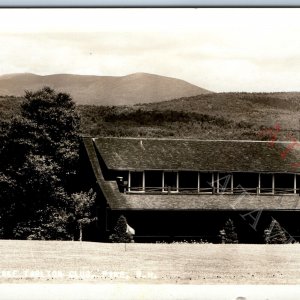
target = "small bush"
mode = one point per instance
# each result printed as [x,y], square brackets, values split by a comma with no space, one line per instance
[274,234]
[120,234]
[228,234]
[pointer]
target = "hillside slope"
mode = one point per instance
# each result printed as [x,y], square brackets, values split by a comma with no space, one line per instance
[103,90]
[209,116]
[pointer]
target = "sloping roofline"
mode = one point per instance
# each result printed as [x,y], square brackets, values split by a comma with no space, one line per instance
[198,155]
[121,201]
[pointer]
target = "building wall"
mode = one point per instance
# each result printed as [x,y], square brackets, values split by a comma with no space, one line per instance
[168,226]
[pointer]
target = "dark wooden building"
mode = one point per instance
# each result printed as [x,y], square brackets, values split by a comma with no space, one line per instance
[179,189]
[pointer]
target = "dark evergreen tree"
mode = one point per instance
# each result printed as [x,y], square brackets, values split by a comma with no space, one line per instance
[121,235]
[228,234]
[274,234]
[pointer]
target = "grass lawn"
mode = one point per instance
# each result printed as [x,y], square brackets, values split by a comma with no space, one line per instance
[56,261]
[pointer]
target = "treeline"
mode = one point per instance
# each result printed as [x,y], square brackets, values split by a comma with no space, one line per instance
[137,121]
[155,117]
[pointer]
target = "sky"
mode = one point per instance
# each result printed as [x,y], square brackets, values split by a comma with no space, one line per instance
[219,49]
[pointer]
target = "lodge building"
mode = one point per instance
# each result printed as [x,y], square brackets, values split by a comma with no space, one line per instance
[181,189]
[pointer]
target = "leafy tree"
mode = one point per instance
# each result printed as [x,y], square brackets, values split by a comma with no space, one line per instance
[121,234]
[39,153]
[8,187]
[56,127]
[274,234]
[228,234]
[83,203]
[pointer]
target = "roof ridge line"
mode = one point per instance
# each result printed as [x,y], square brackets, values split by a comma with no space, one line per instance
[195,140]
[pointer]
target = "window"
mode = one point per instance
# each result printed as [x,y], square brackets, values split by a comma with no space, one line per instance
[284,183]
[136,181]
[224,184]
[153,181]
[298,184]
[170,181]
[206,182]
[266,184]
[122,180]
[245,183]
[188,182]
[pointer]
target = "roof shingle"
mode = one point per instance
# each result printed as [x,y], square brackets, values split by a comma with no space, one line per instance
[200,155]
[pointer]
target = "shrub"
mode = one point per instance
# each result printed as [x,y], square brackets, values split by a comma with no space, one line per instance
[274,234]
[228,234]
[121,234]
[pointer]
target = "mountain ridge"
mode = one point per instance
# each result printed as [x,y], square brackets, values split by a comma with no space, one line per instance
[103,90]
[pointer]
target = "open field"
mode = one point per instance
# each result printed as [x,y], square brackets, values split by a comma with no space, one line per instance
[65,262]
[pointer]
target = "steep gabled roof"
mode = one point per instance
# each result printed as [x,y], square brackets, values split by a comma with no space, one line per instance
[109,188]
[206,155]
[120,201]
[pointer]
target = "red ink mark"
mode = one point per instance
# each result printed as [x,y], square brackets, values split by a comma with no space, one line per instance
[276,127]
[295,165]
[273,134]
[289,148]
[262,132]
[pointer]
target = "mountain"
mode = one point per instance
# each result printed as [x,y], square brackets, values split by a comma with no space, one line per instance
[103,90]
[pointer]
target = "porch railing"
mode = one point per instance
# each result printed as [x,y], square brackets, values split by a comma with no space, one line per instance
[214,190]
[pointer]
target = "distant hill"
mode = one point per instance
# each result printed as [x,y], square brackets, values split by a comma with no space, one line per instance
[207,116]
[260,109]
[103,90]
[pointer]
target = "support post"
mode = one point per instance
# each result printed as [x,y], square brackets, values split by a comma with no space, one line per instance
[80,231]
[143,188]
[129,181]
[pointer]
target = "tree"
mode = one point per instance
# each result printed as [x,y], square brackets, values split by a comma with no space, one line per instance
[8,188]
[83,203]
[228,234]
[121,234]
[39,152]
[55,127]
[274,234]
